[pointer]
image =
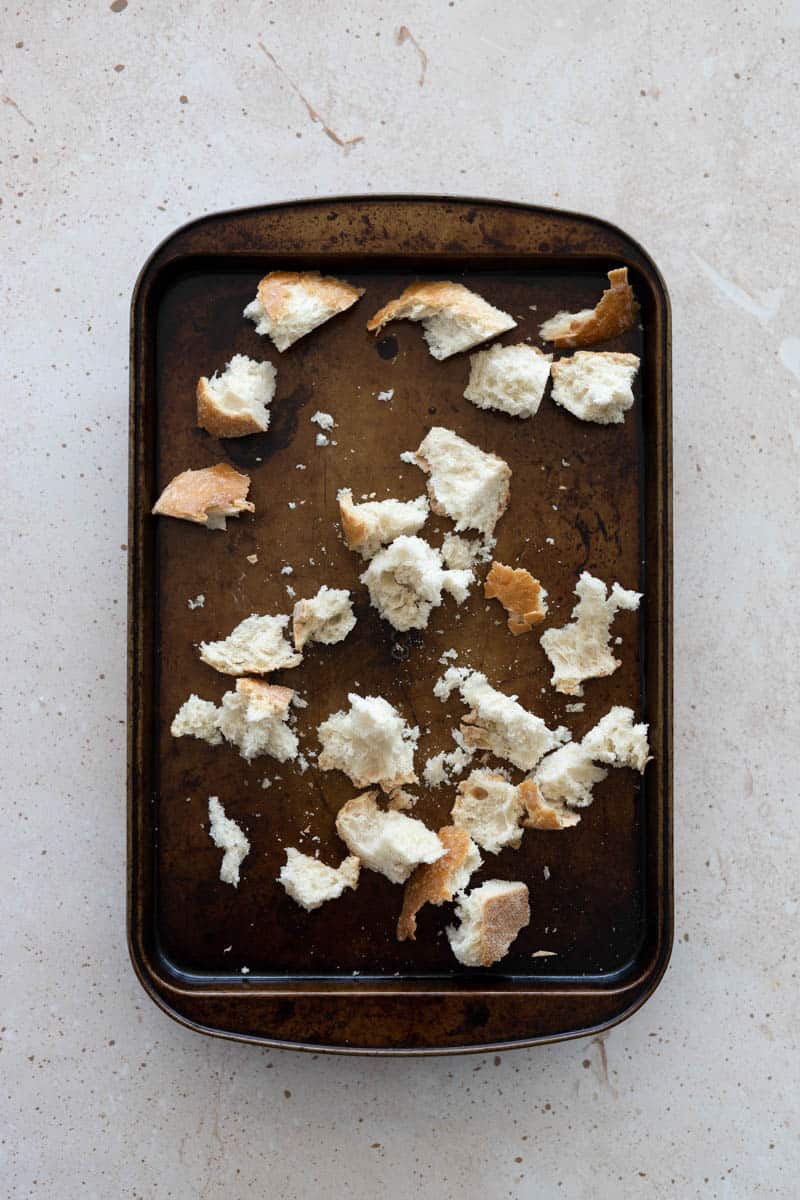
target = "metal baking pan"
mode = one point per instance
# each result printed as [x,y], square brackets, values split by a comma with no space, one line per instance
[583,496]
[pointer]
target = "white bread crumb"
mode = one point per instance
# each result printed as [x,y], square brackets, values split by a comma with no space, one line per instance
[510,379]
[289,304]
[367,527]
[198,601]
[491,917]
[310,883]
[616,741]
[580,650]
[465,553]
[406,581]
[464,482]
[595,386]
[453,317]
[227,835]
[386,396]
[197,718]
[255,646]
[236,403]
[253,718]
[327,617]
[490,809]
[324,420]
[388,842]
[370,743]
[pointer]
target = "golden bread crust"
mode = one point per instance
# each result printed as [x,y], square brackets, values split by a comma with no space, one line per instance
[615,313]
[190,495]
[431,883]
[519,593]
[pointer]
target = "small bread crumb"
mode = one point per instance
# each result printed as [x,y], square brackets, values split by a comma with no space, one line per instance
[387,395]
[198,601]
[252,558]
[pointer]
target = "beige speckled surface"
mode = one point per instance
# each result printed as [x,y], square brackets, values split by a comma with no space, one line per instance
[678,122]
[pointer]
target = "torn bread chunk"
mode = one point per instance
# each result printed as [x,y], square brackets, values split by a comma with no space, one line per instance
[509,379]
[197,718]
[370,743]
[490,809]
[491,917]
[438,882]
[227,836]
[568,776]
[310,883]
[617,741]
[255,718]
[498,722]
[453,318]
[206,497]
[463,554]
[545,814]
[595,385]
[367,527]
[465,483]
[615,313]
[406,581]
[580,650]
[236,403]
[257,645]
[289,304]
[387,842]
[522,596]
[327,617]
[441,767]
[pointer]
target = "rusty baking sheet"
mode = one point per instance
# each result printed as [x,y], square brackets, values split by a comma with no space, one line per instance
[583,496]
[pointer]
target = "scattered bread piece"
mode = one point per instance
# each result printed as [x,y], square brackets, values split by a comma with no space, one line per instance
[197,718]
[205,497]
[255,718]
[236,403]
[387,842]
[289,304]
[490,809]
[255,646]
[510,379]
[453,318]
[438,882]
[310,882]
[491,916]
[327,617]
[465,483]
[568,776]
[439,768]
[595,385]
[406,580]
[498,722]
[463,554]
[616,741]
[580,650]
[367,527]
[370,742]
[544,814]
[227,835]
[522,596]
[614,313]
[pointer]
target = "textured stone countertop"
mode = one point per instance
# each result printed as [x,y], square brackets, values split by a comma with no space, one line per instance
[679,123]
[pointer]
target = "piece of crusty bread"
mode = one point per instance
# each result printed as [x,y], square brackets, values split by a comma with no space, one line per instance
[370,742]
[197,718]
[406,580]
[367,527]
[327,617]
[522,596]
[255,718]
[289,304]
[568,775]
[438,882]
[580,650]
[595,385]
[510,379]
[465,483]
[498,722]
[614,313]
[257,645]
[236,403]
[310,882]
[489,808]
[544,814]
[205,497]
[453,317]
[617,741]
[387,842]
[491,917]
[227,835]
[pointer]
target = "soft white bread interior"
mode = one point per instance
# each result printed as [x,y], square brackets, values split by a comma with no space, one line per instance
[510,379]
[327,617]
[197,718]
[462,554]
[406,580]
[227,835]
[289,304]
[580,650]
[387,842]
[310,882]
[255,718]
[491,917]
[367,527]
[498,722]
[370,743]
[595,386]
[464,482]
[568,776]
[257,645]
[236,403]
[615,313]
[453,317]
[617,741]
[490,809]
[206,497]
[440,767]
[438,882]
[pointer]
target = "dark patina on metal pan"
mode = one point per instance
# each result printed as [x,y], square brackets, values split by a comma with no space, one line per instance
[583,497]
